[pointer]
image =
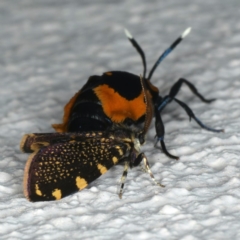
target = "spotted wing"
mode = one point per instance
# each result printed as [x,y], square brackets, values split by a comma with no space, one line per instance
[62,168]
[34,141]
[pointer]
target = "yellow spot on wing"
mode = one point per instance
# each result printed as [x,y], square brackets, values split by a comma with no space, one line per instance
[81,183]
[36,146]
[57,194]
[115,160]
[120,151]
[38,192]
[101,168]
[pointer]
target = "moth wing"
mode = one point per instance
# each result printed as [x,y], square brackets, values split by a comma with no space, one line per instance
[34,141]
[60,169]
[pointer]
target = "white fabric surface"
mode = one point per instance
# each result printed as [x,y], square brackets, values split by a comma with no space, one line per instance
[48,49]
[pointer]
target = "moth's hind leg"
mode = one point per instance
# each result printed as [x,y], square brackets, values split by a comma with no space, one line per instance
[172,96]
[123,178]
[148,170]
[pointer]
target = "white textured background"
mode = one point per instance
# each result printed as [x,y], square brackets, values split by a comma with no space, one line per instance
[48,49]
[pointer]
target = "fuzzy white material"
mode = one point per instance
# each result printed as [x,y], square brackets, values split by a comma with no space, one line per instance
[48,49]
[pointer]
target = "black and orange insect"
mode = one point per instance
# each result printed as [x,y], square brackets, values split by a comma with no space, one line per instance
[103,124]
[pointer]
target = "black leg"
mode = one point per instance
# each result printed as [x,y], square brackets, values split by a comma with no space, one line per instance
[174,91]
[162,103]
[160,133]
[172,94]
[192,115]
[176,87]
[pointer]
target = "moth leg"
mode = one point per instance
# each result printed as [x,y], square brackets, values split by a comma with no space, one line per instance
[163,102]
[172,94]
[177,86]
[160,133]
[123,178]
[192,115]
[147,167]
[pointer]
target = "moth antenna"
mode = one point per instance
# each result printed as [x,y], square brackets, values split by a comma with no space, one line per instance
[168,50]
[149,107]
[139,50]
